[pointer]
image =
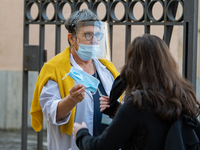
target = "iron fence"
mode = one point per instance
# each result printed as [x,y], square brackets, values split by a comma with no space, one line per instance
[34,55]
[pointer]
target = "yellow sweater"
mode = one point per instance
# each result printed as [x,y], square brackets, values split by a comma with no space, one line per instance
[55,69]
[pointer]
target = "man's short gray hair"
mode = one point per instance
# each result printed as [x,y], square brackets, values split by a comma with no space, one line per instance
[80,16]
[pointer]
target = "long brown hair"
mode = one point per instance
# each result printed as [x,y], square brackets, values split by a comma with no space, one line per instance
[150,67]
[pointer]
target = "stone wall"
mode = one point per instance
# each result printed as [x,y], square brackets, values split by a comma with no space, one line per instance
[11,98]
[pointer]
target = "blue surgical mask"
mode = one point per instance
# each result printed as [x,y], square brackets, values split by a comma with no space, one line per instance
[87,52]
[82,77]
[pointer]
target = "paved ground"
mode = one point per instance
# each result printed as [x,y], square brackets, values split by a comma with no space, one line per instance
[11,140]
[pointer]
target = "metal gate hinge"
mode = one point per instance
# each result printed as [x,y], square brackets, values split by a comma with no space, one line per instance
[45,55]
[32,57]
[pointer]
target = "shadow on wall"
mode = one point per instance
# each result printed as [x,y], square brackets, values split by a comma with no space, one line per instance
[11,99]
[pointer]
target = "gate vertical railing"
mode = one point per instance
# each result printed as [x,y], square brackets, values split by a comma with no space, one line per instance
[190,41]
[34,56]
[25,88]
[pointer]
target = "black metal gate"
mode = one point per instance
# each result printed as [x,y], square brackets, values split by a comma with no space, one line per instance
[34,55]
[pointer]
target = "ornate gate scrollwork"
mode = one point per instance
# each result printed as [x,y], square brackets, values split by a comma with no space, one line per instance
[168,19]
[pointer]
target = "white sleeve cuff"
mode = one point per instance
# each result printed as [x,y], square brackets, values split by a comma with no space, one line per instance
[54,113]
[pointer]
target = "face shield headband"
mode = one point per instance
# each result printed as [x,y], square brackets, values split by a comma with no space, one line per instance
[97,32]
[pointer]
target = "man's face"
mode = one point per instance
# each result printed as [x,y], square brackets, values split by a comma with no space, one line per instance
[88,35]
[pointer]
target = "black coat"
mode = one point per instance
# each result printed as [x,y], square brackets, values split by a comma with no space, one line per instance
[183,134]
[132,129]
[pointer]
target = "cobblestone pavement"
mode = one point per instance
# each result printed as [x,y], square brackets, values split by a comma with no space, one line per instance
[11,140]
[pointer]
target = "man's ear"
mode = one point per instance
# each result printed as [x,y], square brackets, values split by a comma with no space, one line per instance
[71,38]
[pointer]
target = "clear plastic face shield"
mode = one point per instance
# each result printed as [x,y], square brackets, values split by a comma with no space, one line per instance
[96,36]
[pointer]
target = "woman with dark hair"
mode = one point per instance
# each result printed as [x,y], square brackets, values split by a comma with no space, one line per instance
[159,105]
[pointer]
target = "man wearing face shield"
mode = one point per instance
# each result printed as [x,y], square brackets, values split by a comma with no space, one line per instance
[60,98]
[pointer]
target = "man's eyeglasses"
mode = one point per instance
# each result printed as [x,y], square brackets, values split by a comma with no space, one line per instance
[89,35]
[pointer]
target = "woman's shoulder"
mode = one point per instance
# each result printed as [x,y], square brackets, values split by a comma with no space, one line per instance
[133,96]
[136,99]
